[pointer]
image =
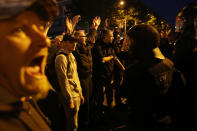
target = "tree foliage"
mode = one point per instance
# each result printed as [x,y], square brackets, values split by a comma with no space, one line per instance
[134,12]
[139,14]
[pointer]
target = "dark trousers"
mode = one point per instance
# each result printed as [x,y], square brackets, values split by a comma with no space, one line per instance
[86,108]
[86,85]
[102,87]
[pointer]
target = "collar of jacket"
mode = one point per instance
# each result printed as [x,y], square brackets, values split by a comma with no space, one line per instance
[63,50]
[157,53]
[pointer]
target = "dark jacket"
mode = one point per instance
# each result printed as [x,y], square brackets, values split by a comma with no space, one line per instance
[83,57]
[186,61]
[21,117]
[100,50]
[185,57]
[147,83]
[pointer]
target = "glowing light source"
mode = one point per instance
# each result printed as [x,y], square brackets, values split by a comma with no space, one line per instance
[121,2]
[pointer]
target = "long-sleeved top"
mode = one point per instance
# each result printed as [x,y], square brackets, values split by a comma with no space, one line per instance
[67,76]
[100,50]
[83,56]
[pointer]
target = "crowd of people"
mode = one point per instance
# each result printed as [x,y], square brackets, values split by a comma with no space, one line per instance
[73,81]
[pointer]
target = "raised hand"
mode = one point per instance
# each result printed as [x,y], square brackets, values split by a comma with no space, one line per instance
[47,26]
[106,24]
[69,25]
[96,22]
[76,19]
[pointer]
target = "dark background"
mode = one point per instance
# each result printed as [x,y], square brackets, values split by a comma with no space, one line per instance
[167,9]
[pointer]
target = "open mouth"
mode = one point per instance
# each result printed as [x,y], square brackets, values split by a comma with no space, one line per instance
[34,68]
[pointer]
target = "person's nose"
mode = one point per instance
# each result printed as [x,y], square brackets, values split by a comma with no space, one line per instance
[38,38]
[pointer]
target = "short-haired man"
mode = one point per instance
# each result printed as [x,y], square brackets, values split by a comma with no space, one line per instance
[103,65]
[83,57]
[71,92]
[23,53]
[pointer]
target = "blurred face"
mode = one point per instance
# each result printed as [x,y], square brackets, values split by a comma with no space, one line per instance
[109,37]
[127,43]
[23,54]
[82,37]
[118,39]
[68,46]
[179,24]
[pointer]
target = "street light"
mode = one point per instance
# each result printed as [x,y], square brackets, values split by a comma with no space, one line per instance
[121,2]
[122,5]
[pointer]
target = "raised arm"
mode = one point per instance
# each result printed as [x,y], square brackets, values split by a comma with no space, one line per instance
[70,24]
[96,22]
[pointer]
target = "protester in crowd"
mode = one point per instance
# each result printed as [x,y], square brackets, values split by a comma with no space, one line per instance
[185,59]
[147,78]
[83,56]
[118,72]
[103,65]
[70,88]
[51,105]
[71,92]
[23,58]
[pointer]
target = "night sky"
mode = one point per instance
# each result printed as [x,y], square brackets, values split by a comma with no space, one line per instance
[167,9]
